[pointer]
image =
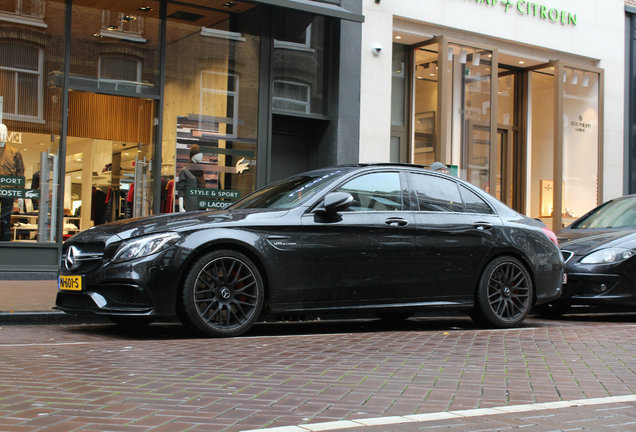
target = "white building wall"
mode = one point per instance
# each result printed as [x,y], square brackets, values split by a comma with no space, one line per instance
[598,39]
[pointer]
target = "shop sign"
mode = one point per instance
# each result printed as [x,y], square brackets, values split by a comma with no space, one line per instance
[213,204]
[14,181]
[580,125]
[536,10]
[214,193]
[19,193]
[214,198]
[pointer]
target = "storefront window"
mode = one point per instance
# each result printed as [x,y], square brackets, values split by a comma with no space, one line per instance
[507,137]
[541,144]
[580,142]
[426,148]
[470,72]
[399,104]
[210,109]
[298,63]
[31,44]
[113,97]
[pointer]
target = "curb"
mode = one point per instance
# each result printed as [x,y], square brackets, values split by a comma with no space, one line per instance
[45,317]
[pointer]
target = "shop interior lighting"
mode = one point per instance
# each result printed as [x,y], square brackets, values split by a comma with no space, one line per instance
[145,9]
[586,80]
[565,77]
[398,37]
[575,78]
[462,56]
[476,59]
[450,54]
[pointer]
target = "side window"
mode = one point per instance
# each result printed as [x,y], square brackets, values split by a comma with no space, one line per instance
[436,194]
[375,192]
[474,204]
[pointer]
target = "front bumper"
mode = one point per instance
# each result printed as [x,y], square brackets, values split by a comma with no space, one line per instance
[143,287]
[597,289]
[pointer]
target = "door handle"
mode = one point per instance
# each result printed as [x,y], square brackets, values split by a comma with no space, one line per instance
[398,221]
[482,226]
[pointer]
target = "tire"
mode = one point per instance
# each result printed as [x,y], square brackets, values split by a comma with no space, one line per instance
[222,294]
[504,294]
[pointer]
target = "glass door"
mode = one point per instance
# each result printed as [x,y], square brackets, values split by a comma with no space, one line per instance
[541,143]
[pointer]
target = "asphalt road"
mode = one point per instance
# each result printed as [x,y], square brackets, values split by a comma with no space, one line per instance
[344,375]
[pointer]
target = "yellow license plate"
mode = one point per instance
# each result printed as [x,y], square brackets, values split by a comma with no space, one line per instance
[70,283]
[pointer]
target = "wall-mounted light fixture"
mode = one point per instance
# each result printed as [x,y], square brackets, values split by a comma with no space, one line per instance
[586,79]
[476,59]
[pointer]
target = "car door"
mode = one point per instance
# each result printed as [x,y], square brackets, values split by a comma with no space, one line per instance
[457,230]
[364,255]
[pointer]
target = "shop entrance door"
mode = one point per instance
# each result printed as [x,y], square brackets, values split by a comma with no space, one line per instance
[108,158]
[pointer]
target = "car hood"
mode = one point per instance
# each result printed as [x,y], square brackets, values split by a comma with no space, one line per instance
[135,227]
[584,241]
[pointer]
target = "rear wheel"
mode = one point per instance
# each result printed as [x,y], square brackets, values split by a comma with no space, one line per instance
[504,294]
[222,295]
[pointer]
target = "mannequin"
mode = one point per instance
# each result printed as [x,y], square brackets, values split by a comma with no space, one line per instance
[10,165]
[190,177]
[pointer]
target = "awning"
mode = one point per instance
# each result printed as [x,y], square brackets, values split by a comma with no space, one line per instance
[315,7]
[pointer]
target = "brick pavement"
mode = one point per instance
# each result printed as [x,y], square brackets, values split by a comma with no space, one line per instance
[98,377]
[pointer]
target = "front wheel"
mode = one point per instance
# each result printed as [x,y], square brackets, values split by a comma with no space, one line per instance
[504,294]
[222,294]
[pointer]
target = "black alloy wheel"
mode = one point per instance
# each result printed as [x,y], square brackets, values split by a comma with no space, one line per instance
[504,295]
[222,295]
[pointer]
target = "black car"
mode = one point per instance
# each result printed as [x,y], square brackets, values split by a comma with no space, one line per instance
[388,240]
[600,260]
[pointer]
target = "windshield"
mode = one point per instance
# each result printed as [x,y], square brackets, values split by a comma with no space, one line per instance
[614,214]
[288,193]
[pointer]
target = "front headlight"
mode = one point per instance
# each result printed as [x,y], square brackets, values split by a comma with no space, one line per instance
[608,256]
[144,246]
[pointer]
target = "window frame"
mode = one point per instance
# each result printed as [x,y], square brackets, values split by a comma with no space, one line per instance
[306,103]
[403,197]
[14,115]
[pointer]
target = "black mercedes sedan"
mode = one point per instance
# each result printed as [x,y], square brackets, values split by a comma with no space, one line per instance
[382,239]
[599,250]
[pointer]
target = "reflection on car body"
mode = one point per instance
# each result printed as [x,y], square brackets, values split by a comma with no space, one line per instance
[350,239]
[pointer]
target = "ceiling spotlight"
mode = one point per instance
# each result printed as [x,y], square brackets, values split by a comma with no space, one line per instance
[129,18]
[229,4]
[145,9]
[398,37]
[111,27]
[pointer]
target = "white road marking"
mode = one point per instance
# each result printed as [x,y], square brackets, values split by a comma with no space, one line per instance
[43,344]
[418,418]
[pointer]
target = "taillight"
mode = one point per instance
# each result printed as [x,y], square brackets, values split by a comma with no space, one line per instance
[552,236]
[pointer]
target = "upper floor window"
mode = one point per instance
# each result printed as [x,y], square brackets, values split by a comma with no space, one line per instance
[120,25]
[23,11]
[120,73]
[291,96]
[21,82]
[294,36]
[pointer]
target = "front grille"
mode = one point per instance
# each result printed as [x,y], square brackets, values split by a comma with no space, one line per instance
[87,256]
[566,255]
[123,295]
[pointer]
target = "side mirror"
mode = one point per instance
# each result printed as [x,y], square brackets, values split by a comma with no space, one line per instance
[335,202]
